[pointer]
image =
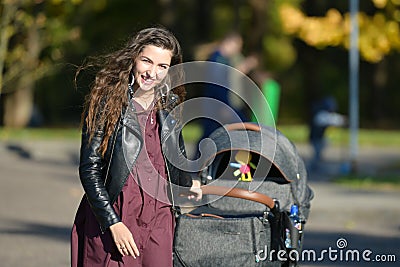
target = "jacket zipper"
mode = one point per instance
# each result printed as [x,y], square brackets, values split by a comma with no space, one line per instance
[170,185]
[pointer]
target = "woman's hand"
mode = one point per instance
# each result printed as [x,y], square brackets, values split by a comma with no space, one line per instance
[123,239]
[196,190]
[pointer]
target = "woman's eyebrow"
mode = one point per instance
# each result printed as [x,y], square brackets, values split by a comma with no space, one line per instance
[145,57]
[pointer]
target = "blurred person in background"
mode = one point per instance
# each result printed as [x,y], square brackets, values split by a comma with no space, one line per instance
[125,217]
[324,115]
[227,52]
[271,91]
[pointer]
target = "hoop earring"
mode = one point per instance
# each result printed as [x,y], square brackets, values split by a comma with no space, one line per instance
[130,85]
[132,80]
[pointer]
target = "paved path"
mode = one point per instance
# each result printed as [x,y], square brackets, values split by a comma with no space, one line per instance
[40,191]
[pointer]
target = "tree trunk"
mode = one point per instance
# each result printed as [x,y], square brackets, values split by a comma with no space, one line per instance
[258,25]
[6,17]
[168,17]
[378,93]
[204,20]
[18,105]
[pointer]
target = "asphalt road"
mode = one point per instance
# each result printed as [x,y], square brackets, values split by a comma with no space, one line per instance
[40,191]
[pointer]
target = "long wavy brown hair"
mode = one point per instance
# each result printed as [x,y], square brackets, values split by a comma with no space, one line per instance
[109,92]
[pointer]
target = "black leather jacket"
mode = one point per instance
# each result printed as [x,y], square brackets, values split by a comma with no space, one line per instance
[103,177]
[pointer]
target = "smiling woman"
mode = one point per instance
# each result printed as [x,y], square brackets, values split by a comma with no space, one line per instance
[150,69]
[126,213]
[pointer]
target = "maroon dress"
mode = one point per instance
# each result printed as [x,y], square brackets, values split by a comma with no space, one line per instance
[143,207]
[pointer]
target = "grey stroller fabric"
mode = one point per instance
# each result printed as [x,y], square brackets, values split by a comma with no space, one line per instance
[278,159]
[222,242]
[227,231]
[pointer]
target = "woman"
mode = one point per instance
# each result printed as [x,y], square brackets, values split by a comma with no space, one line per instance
[125,218]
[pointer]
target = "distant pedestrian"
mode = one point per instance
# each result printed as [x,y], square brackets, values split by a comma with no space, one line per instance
[125,217]
[228,53]
[324,115]
[271,90]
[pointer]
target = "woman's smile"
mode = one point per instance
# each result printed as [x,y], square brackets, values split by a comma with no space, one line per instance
[146,79]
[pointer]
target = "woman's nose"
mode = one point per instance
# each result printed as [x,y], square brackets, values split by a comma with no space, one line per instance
[152,71]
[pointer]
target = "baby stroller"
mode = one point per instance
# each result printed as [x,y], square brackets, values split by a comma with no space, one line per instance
[251,183]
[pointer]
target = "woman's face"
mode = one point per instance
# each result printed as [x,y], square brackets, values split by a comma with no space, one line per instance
[151,66]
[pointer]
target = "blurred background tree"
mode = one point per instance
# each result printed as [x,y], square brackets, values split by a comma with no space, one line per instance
[302,42]
[321,26]
[34,35]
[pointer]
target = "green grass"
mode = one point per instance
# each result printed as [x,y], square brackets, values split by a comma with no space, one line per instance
[39,133]
[340,136]
[384,182]
[336,136]
[192,132]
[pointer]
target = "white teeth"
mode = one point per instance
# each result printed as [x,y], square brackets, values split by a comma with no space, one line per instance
[147,79]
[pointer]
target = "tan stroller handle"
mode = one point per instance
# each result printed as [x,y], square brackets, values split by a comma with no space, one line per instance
[243,126]
[238,193]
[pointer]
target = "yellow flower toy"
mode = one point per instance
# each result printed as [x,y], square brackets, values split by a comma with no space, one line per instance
[244,165]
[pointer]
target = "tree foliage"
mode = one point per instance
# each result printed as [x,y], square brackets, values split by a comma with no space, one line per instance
[36,27]
[321,30]
[379,33]
[34,34]
[303,42]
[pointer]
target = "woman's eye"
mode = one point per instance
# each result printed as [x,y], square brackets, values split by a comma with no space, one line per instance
[146,60]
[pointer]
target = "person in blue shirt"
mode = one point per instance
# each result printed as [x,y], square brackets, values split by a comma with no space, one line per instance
[228,54]
[324,116]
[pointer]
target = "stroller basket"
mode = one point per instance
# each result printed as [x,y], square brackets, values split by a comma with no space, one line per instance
[203,238]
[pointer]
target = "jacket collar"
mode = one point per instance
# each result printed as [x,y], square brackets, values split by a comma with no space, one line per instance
[167,122]
[130,119]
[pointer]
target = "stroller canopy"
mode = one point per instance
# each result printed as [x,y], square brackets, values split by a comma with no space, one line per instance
[273,148]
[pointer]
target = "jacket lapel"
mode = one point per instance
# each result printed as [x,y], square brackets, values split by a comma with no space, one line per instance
[130,119]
